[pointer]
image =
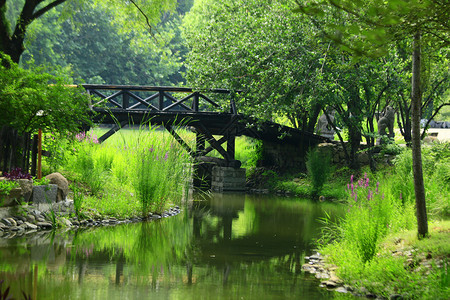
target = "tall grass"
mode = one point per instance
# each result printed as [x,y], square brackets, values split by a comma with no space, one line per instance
[368,217]
[159,172]
[145,166]
[318,164]
[380,206]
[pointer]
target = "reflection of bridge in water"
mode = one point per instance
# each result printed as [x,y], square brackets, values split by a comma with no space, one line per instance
[247,243]
[231,229]
[208,116]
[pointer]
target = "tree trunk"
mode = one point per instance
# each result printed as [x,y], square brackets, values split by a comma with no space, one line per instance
[416,102]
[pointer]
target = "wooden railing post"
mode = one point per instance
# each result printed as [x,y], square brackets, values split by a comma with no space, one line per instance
[161,100]
[125,100]
[195,103]
[233,109]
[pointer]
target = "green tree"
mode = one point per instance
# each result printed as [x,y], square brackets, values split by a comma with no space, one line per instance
[262,49]
[131,13]
[369,29]
[287,70]
[31,100]
[98,52]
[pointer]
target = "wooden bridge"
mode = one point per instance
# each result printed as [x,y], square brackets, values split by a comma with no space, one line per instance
[209,113]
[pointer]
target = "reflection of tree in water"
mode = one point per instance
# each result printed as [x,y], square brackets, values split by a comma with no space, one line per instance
[226,245]
[233,233]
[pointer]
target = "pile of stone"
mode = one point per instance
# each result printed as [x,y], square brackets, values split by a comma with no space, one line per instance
[316,265]
[30,219]
[55,191]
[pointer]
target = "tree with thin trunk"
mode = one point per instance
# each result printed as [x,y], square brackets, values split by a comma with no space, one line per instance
[369,29]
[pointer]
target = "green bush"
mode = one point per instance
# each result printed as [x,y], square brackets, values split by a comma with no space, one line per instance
[318,164]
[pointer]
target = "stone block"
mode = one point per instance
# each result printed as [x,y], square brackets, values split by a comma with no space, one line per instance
[13,198]
[61,182]
[27,188]
[43,194]
[228,179]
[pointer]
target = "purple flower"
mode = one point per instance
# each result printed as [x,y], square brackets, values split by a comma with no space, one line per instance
[166,156]
[95,139]
[378,184]
[80,136]
[351,179]
[369,195]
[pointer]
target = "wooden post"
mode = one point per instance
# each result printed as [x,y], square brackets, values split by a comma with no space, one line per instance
[195,104]
[161,100]
[125,100]
[231,145]
[39,164]
[34,151]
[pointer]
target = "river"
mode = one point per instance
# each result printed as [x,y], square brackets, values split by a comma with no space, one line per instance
[222,246]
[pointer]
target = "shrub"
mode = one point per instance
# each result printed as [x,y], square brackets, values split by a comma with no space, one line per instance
[17,173]
[318,164]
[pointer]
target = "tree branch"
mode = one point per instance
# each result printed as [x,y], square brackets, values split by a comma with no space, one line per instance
[46,9]
[147,20]
[429,120]
[429,98]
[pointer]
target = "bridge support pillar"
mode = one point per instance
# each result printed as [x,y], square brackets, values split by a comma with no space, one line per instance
[227,179]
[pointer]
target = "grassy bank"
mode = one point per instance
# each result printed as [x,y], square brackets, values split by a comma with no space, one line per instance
[375,247]
[133,172]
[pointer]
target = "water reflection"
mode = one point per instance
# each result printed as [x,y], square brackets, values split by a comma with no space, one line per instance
[224,246]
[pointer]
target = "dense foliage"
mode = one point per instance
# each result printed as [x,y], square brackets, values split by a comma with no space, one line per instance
[32,99]
[13,30]
[99,49]
[262,49]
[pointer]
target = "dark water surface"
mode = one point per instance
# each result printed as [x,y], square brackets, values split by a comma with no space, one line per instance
[224,247]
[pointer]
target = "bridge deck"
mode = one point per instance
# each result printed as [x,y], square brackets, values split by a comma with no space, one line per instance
[126,105]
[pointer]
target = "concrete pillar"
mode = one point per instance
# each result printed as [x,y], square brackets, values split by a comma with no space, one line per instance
[227,179]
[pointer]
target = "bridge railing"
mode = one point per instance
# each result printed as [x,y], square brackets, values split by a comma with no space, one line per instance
[157,99]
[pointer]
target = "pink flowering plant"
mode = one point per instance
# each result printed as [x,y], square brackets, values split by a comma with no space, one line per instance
[88,137]
[159,171]
[368,216]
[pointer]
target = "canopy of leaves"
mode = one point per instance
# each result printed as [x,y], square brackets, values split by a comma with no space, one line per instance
[368,28]
[15,21]
[101,50]
[261,48]
[33,99]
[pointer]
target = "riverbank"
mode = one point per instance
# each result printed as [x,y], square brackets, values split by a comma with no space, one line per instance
[373,250]
[405,260]
[28,218]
